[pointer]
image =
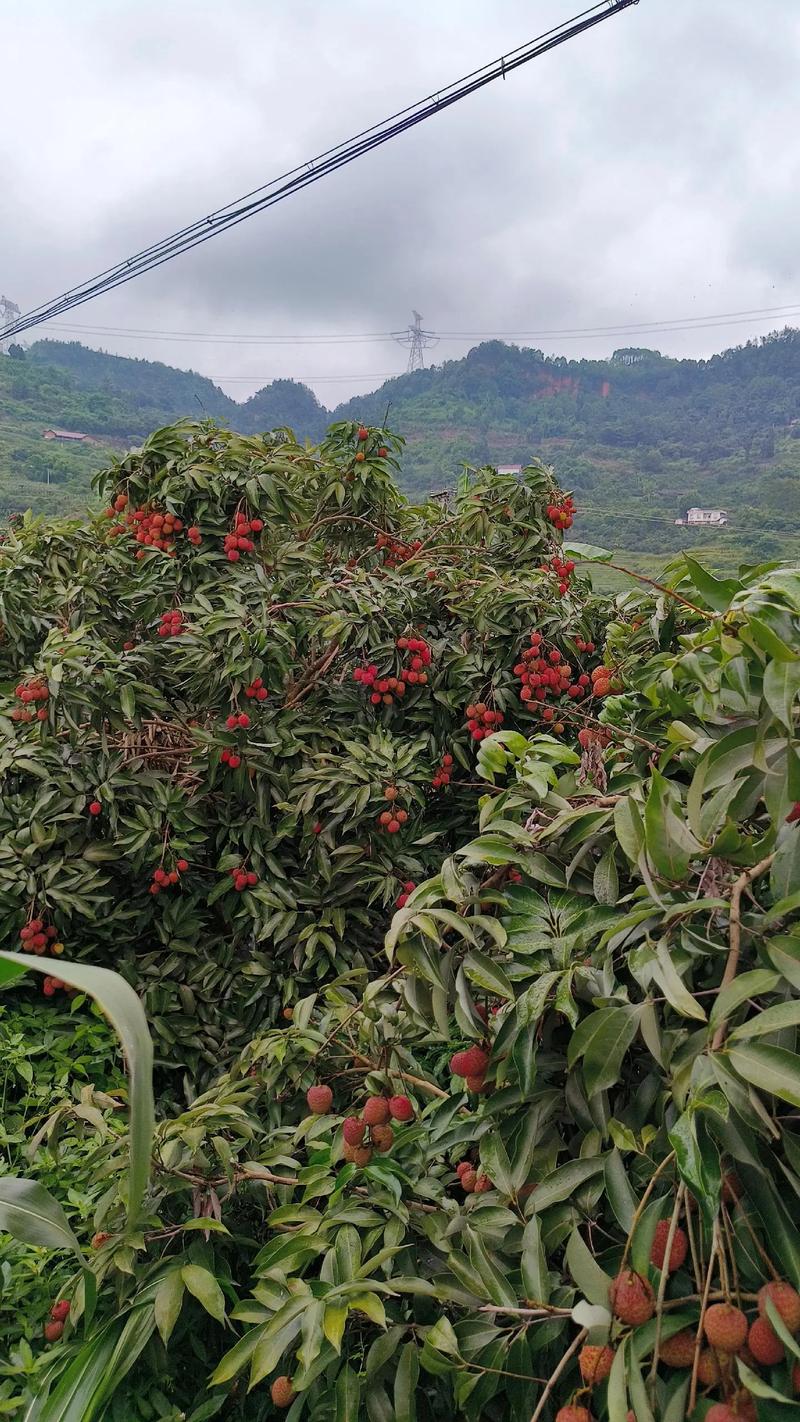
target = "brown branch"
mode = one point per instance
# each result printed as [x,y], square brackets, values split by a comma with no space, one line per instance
[670,592]
[662,1284]
[418,1081]
[557,1371]
[735,936]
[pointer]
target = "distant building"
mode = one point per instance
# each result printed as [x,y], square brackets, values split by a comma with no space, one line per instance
[509,468]
[714,517]
[74,435]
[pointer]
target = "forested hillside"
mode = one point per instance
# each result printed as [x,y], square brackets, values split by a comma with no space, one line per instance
[639,437]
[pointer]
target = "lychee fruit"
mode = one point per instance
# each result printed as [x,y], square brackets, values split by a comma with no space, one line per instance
[99,1239]
[708,1370]
[677,1254]
[320,1099]
[469,1179]
[721,1412]
[362,1155]
[678,1351]
[472,1062]
[573,1414]
[631,1297]
[482,1184]
[400,1108]
[60,1311]
[764,1343]
[376,1111]
[475,1083]
[53,1330]
[353,1130]
[282,1392]
[382,1138]
[595,1363]
[725,1327]
[784,1299]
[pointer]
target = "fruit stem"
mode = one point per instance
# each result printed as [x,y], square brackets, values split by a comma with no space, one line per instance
[557,1371]
[703,1306]
[637,1214]
[662,1284]
[735,936]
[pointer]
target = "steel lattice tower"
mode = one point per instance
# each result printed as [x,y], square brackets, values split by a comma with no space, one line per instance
[417,341]
[8,311]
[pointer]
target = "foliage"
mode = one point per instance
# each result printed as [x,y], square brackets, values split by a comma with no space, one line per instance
[609,912]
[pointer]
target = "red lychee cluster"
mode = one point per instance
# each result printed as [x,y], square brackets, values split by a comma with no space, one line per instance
[544,674]
[375,1116]
[29,692]
[172,624]
[403,897]
[604,681]
[418,659]
[561,570]
[59,1313]
[472,1181]
[472,1064]
[35,937]
[583,646]
[588,738]
[238,541]
[256,690]
[243,878]
[443,772]
[151,528]
[561,515]
[392,820]
[481,721]
[230,758]
[394,550]
[51,986]
[382,691]
[168,878]
[238,720]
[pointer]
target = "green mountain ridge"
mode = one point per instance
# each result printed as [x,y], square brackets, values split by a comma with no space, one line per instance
[639,437]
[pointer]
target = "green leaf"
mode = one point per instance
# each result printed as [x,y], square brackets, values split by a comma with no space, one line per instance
[784,876]
[771,1019]
[495,1161]
[716,592]
[333,1324]
[346,1394]
[533,1264]
[127,701]
[602,1039]
[670,982]
[168,1302]
[620,1193]
[617,1395]
[670,843]
[698,1162]
[564,1182]
[784,955]
[29,1213]
[587,552]
[405,1384]
[480,969]
[605,882]
[781,687]
[206,1290]
[629,828]
[771,1069]
[752,984]
[120,1004]
[585,1271]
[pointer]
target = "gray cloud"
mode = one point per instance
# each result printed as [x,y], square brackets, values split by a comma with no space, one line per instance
[647,170]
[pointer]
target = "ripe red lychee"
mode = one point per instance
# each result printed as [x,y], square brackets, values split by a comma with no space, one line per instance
[353,1130]
[678,1351]
[784,1299]
[53,1330]
[95,808]
[708,1370]
[722,1412]
[469,1179]
[362,1155]
[382,1138]
[282,1392]
[320,1099]
[376,1111]
[573,1414]
[482,1184]
[631,1297]
[400,1108]
[472,1062]
[764,1343]
[595,1363]
[99,1239]
[725,1327]
[677,1254]
[475,1083]
[60,1311]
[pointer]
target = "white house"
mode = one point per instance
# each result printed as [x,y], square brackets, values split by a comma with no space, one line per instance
[509,468]
[716,518]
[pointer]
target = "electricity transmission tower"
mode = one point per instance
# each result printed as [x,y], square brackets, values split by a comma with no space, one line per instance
[8,311]
[417,341]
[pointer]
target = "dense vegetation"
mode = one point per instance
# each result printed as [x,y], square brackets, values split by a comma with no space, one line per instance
[640,437]
[470,954]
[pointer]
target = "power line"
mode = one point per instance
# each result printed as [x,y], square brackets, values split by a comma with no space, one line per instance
[661,326]
[331,160]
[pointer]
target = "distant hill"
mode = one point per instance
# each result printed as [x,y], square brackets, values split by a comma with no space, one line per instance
[639,437]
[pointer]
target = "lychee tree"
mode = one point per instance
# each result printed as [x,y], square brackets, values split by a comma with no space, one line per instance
[508,1119]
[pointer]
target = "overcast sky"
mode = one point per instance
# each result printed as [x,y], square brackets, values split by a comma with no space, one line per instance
[645,171]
